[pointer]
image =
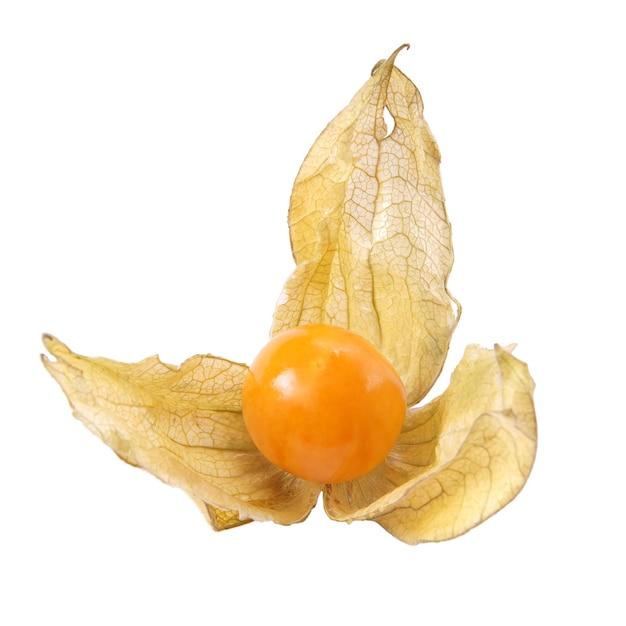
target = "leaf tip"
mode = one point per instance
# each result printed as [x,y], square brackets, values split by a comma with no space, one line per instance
[53,345]
[498,349]
[391,59]
[396,52]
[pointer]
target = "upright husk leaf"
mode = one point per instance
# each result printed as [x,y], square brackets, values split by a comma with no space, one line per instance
[184,425]
[458,459]
[370,235]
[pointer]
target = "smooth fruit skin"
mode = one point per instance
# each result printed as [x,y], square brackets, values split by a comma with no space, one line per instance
[323,403]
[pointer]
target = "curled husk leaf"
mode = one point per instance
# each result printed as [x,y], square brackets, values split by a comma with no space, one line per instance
[373,252]
[184,425]
[457,461]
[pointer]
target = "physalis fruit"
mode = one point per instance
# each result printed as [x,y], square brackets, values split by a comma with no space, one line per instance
[323,403]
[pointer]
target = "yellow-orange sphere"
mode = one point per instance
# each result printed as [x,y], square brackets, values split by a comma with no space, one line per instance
[323,403]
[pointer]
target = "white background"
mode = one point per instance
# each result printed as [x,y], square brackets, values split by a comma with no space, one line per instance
[148,151]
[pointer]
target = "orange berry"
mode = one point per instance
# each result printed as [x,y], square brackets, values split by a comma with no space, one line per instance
[323,403]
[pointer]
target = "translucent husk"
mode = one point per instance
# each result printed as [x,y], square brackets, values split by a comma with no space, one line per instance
[372,246]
